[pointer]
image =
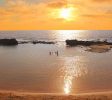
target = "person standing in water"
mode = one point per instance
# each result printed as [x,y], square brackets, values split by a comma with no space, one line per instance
[57,53]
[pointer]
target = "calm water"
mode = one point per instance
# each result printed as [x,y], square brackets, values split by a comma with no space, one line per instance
[30,68]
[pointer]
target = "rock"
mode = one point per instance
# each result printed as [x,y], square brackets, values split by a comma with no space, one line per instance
[86,43]
[8,42]
[42,42]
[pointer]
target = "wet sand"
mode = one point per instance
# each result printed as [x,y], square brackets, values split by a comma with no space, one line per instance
[37,96]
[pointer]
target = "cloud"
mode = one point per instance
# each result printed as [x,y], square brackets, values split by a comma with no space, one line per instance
[102,1]
[55,4]
[109,11]
[97,16]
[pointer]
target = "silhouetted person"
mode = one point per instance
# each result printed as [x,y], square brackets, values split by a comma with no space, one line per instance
[57,53]
[49,53]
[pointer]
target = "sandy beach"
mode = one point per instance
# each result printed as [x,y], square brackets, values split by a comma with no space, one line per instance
[38,96]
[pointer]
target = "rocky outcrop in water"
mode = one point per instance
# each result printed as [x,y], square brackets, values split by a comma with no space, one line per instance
[86,43]
[11,42]
[8,42]
[42,42]
[92,46]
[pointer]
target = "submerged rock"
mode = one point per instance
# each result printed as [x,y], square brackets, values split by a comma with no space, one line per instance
[8,42]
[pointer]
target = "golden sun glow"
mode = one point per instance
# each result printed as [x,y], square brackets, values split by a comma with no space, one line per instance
[66,13]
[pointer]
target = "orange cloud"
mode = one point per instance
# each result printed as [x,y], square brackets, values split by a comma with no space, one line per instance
[102,0]
[55,4]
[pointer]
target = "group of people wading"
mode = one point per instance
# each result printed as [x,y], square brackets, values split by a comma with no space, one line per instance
[54,53]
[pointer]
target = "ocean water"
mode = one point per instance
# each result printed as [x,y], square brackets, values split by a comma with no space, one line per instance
[31,68]
[57,35]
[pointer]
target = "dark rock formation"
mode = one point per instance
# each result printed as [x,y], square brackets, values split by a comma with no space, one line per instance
[11,42]
[86,43]
[8,42]
[42,42]
[23,42]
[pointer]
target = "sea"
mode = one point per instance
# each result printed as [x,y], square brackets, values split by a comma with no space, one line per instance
[55,68]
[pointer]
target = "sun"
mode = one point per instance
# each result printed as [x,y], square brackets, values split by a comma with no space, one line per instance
[66,13]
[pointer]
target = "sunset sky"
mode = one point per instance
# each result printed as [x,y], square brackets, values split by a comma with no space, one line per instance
[55,14]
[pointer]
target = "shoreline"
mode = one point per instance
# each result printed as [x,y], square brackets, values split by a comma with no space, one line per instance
[14,95]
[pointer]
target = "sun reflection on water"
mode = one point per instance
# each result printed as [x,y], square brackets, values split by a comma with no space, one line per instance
[67,84]
[67,34]
[72,69]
